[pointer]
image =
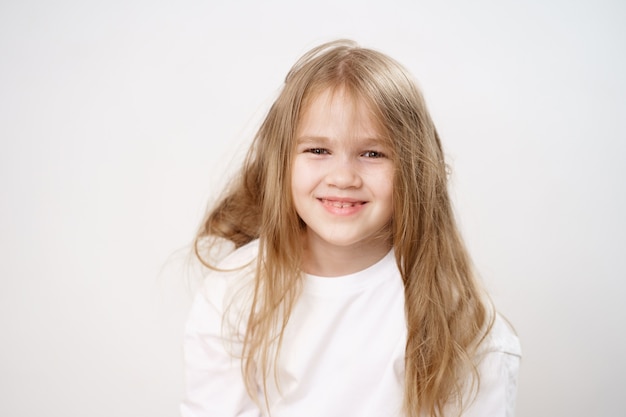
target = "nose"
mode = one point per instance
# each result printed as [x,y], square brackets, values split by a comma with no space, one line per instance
[344,173]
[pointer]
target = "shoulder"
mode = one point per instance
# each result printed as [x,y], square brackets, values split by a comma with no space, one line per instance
[497,364]
[501,338]
[240,257]
[232,276]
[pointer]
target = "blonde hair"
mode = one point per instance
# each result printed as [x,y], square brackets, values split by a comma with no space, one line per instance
[445,310]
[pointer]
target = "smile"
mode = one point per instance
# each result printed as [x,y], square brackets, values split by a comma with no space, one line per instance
[341,203]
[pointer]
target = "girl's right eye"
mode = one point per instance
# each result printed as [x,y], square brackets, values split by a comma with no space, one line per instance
[317,151]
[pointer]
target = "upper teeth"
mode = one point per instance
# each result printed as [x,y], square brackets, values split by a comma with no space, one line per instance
[340,204]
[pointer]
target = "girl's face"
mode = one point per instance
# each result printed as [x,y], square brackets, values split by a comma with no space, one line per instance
[342,178]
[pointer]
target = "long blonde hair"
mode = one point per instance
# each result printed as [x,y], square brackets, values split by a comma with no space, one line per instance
[445,310]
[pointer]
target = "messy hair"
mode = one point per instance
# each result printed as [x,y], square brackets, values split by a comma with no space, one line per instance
[446,312]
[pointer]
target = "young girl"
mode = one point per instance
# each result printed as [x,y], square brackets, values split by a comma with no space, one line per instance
[349,291]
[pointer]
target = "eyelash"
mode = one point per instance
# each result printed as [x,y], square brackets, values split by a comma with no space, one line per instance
[376,154]
[317,151]
[368,154]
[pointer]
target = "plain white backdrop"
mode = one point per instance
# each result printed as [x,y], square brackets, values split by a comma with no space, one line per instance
[119,121]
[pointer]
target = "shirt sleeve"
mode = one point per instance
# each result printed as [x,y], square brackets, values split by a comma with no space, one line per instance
[214,384]
[498,386]
[498,370]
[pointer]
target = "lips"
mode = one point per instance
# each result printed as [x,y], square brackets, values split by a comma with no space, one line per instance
[341,202]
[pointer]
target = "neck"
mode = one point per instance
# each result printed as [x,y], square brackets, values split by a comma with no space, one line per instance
[332,261]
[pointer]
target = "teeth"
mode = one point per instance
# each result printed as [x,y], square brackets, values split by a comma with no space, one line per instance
[340,204]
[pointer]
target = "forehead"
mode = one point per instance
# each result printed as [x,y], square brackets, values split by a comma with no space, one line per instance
[337,113]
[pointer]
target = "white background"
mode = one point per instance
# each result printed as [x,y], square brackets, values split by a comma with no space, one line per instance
[120,119]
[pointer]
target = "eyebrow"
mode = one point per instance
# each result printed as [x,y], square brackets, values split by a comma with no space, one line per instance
[365,141]
[307,139]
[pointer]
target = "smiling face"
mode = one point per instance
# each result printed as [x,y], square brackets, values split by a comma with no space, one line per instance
[342,179]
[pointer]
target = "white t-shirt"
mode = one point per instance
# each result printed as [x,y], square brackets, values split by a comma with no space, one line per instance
[342,353]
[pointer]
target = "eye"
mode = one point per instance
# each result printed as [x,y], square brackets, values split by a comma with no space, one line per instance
[317,151]
[373,154]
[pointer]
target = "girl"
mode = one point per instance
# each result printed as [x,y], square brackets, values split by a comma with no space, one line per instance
[349,291]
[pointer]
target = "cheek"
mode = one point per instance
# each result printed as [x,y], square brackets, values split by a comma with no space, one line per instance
[295,177]
[298,186]
[387,192]
[302,175]
[294,195]
[383,182]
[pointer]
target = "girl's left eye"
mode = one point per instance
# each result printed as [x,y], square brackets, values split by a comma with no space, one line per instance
[373,154]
